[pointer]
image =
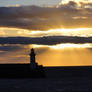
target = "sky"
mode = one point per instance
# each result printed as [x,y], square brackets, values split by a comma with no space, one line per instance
[28,2]
[32,19]
[62,29]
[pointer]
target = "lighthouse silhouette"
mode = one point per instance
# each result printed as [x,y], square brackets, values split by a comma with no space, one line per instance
[36,70]
[33,63]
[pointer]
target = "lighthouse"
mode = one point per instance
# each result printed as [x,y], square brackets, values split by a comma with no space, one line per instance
[36,70]
[33,63]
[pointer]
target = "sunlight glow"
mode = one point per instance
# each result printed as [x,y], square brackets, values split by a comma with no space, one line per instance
[77,1]
[82,32]
[63,46]
[17,5]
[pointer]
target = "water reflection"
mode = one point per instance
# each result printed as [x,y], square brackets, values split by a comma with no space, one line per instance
[55,55]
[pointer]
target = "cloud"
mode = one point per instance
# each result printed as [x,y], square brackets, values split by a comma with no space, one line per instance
[50,40]
[10,47]
[45,18]
[76,2]
[14,53]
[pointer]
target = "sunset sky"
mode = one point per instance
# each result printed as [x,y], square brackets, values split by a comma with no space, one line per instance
[60,29]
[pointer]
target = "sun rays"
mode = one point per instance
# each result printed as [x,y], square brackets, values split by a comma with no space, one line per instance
[63,46]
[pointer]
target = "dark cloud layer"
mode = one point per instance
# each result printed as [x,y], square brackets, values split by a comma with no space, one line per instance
[50,40]
[10,48]
[44,18]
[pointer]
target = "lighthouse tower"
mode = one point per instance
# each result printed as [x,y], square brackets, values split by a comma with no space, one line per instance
[33,63]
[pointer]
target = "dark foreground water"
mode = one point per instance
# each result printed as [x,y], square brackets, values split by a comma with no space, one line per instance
[46,85]
[58,79]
